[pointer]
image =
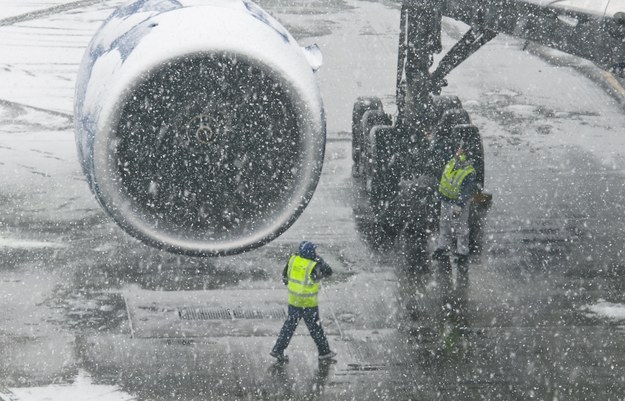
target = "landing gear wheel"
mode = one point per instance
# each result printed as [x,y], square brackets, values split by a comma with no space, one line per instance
[375,181]
[413,248]
[376,216]
[361,106]
[419,217]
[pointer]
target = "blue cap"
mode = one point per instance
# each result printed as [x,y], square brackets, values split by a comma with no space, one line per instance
[307,250]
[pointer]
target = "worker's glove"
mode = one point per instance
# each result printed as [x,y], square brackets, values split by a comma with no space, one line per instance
[456,211]
[285,280]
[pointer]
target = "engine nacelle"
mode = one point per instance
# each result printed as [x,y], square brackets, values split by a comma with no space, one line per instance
[200,128]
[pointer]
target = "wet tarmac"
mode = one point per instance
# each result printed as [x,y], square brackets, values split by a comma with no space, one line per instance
[87,307]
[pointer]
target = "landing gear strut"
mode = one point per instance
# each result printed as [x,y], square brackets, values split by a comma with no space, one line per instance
[398,160]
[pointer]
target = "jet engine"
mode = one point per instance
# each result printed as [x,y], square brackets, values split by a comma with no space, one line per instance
[200,128]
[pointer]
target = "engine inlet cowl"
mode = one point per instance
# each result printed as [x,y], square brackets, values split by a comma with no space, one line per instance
[206,140]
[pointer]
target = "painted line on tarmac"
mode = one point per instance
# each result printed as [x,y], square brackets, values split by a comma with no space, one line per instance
[132,329]
[17,243]
[336,321]
[8,103]
[48,11]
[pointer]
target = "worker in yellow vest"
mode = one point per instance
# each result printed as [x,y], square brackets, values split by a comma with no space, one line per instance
[456,189]
[302,275]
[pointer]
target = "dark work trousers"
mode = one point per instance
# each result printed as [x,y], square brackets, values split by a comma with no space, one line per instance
[311,318]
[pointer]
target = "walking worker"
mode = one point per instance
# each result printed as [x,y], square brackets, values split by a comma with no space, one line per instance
[302,275]
[456,188]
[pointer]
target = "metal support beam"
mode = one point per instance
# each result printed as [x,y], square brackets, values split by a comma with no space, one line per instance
[420,39]
[469,44]
[578,29]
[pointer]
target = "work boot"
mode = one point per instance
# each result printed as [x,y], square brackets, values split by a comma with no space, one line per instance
[280,357]
[327,355]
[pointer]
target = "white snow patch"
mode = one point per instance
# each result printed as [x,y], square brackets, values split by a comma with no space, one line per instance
[108,247]
[28,244]
[609,310]
[523,110]
[81,389]
[503,92]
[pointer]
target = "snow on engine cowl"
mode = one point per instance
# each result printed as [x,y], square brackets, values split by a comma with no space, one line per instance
[200,128]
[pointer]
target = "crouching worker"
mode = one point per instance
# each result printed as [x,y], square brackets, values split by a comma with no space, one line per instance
[456,189]
[302,275]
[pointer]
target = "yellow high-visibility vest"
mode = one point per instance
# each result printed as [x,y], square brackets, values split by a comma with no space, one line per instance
[302,289]
[451,180]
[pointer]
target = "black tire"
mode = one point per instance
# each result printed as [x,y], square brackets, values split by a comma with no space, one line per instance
[413,248]
[380,178]
[361,106]
[419,213]
[444,140]
[444,103]
[470,135]
[377,187]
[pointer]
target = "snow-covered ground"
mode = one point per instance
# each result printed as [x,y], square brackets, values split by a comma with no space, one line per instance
[613,312]
[81,389]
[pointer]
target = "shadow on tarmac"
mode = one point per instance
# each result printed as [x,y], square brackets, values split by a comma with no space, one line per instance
[436,303]
[287,384]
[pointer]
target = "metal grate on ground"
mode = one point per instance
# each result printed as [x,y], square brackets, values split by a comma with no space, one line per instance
[205,313]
